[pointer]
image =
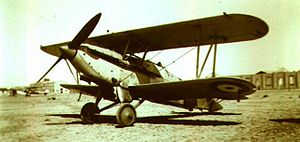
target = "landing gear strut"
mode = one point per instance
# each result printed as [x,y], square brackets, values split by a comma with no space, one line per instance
[213,105]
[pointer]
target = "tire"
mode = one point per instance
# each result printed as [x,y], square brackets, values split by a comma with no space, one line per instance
[126,115]
[87,113]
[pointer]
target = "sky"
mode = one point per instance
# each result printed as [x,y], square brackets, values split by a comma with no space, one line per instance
[27,24]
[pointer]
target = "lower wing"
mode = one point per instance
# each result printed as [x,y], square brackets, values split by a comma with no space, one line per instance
[222,88]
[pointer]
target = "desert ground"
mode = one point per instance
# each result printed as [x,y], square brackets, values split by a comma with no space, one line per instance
[265,116]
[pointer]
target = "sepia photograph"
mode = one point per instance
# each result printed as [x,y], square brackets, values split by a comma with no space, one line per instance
[149,70]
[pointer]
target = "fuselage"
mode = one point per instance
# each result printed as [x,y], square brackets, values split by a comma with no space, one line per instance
[104,66]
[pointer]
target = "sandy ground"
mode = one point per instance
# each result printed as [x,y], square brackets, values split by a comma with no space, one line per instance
[266,116]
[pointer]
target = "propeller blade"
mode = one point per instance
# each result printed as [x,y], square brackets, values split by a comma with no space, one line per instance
[58,60]
[70,69]
[84,32]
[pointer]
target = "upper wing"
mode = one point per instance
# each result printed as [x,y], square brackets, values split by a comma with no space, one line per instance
[219,29]
[222,88]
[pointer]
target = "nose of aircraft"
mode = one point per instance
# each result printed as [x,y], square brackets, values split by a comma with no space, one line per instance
[61,51]
[52,50]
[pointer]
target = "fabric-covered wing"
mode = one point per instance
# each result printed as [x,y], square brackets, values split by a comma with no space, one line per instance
[218,29]
[222,88]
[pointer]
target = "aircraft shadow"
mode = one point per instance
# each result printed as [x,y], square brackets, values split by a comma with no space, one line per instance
[167,119]
[290,120]
[205,113]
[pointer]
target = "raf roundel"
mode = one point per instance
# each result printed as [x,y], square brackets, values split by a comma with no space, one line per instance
[228,88]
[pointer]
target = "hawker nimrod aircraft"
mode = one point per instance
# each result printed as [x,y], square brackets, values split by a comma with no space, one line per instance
[134,78]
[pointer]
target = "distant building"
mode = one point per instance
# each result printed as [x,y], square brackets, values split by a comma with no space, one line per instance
[276,80]
[51,86]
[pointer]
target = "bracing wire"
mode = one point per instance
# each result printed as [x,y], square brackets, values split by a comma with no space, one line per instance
[126,77]
[177,59]
[155,55]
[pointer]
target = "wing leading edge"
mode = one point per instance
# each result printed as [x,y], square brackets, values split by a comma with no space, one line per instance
[222,88]
[212,30]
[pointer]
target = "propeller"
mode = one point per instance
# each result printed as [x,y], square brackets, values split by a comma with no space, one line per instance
[57,61]
[84,32]
[77,40]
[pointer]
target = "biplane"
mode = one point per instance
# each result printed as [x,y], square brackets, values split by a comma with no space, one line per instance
[131,78]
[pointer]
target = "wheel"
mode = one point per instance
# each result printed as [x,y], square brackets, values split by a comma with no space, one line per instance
[213,106]
[126,115]
[87,113]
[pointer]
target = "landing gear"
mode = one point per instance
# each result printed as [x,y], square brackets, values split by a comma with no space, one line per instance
[87,113]
[126,115]
[213,105]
